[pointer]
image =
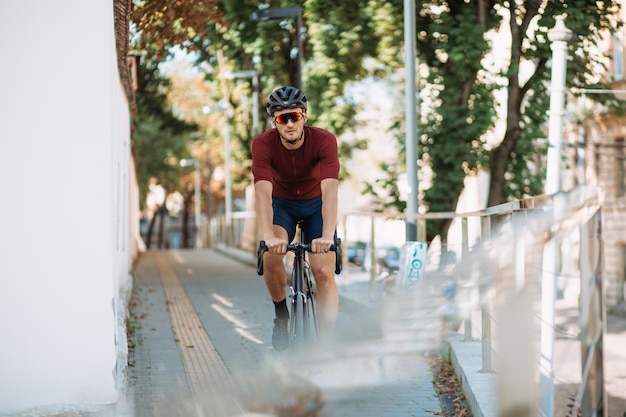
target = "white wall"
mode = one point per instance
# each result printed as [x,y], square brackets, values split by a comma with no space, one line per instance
[64,247]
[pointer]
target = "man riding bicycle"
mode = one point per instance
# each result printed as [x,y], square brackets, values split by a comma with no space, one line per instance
[296,171]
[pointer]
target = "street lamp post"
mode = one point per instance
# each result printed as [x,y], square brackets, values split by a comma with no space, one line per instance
[228,192]
[195,137]
[252,74]
[272,14]
[223,107]
[412,204]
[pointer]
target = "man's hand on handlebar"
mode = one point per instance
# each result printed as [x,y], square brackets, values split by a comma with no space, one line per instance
[276,245]
[335,246]
[321,245]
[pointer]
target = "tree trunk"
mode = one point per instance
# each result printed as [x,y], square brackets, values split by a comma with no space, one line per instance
[148,238]
[185,226]
[499,161]
[500,155]
[161,214]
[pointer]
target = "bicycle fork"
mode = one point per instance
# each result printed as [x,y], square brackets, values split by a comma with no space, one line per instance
[302,304]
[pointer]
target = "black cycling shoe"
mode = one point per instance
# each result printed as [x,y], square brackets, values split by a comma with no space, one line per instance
[280,334]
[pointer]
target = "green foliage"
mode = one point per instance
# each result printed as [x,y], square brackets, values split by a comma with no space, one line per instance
[516,164]
[386,190]
[453,45]
[458,105]
[160,139]
[158,26]
[350,40]
[336,41]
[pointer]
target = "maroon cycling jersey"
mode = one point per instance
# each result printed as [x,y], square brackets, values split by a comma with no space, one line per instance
[295,174]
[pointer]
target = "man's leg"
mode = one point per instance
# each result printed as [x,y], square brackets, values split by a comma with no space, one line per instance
[275,278]
[274,273]
[327,298]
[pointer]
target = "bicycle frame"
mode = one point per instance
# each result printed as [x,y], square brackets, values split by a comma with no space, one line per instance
[303,310]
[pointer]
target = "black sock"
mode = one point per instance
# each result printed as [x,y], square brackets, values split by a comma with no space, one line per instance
[280,308]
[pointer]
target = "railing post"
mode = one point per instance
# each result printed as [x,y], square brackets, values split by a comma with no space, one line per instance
[591,396]
[485,312]
[467,324]
[464,238]
[558,36]
[486,345]
[519,244]
[373,260]
[344,253]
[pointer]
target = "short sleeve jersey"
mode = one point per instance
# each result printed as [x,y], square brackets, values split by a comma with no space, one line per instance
[295,174]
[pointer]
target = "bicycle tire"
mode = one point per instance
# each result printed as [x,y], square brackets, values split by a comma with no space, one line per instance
[311,307]
[294,328]
[297,305]
[306,318]
[303,318]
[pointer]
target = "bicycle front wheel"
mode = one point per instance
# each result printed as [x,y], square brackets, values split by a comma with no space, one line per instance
[313,330]
[302,323]
[299,320]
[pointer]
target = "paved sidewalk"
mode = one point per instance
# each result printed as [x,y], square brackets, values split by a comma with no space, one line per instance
[203,324]
[481,388]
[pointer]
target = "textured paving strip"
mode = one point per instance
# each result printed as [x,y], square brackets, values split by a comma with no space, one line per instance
[206,372]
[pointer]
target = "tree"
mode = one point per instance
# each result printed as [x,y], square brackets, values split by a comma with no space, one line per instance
[458,106]
[223,37]
[159,140]
[527,102]
[453,46]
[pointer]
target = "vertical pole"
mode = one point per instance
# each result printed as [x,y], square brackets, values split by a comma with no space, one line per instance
[299,43]
[559,35]
[592,396]
[209,200]
[255,104]
[486,339]
[410,120]
[228,204]
[464,238]
[344,253]
[196,200]
[580,154]
[519,245]
[373,260]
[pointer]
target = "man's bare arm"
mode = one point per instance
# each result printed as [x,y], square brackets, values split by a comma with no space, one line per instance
[330,201]
[265,217]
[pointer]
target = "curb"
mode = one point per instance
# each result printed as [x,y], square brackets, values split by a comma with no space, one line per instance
[479,387]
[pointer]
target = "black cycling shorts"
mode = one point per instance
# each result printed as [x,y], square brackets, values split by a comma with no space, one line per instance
[287,213]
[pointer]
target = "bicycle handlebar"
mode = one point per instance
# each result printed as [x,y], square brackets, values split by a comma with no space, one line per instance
[294,247]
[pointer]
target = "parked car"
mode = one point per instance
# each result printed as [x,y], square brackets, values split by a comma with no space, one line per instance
[356,252]
[387,260]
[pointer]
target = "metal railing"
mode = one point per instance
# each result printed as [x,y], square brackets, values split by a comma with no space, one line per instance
[500,272]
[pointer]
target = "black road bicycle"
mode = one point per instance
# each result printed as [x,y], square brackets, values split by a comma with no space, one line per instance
[303,325]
